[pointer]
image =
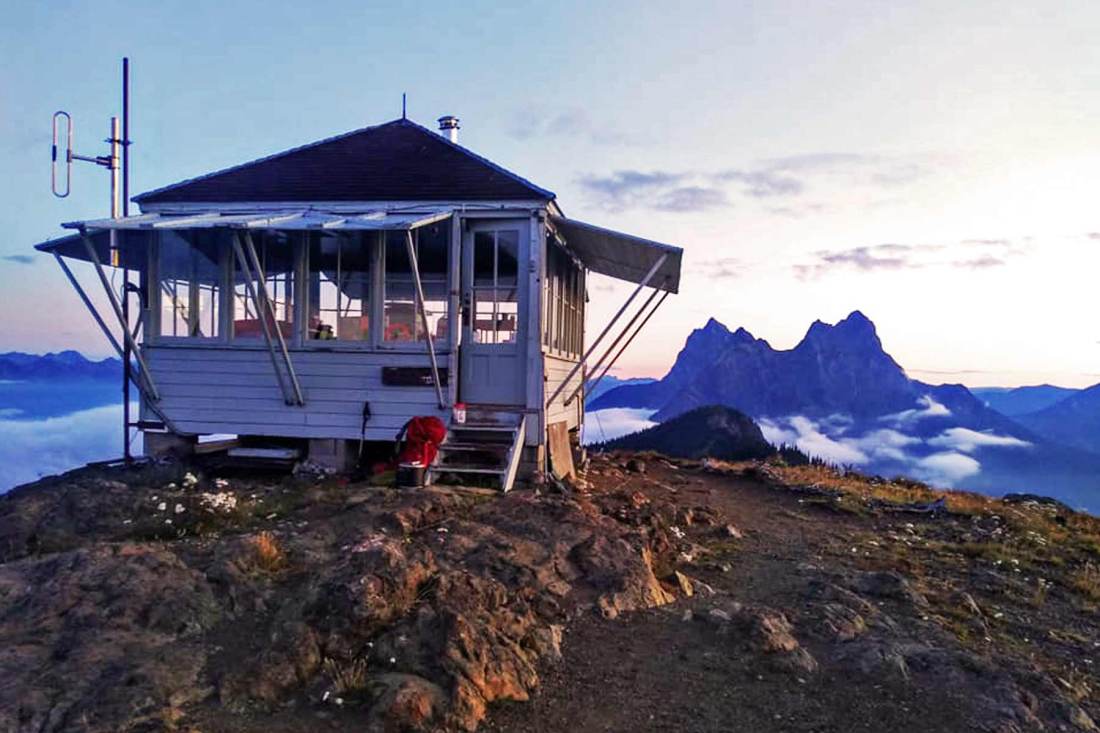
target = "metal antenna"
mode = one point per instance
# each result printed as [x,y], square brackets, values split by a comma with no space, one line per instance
[403,106]
[119,140]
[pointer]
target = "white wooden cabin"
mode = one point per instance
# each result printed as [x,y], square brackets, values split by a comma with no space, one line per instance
[387,267]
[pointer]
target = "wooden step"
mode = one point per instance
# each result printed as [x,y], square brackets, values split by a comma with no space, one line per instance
[489,470]
[488,447]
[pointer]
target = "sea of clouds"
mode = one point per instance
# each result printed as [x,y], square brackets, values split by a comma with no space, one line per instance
[33,448]
[891,445]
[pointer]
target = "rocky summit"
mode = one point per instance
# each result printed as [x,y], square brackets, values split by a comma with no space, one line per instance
[650,594]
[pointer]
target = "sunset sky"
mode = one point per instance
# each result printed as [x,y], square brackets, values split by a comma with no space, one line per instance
[933,164]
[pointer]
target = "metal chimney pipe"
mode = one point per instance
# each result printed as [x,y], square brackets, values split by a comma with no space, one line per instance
[448,127]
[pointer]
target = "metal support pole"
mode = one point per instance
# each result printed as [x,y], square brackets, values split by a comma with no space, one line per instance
[246,270]
[603,374]
[424,316]
[125,143]
[584,359]
[299,400]
[118,313]
[614,344]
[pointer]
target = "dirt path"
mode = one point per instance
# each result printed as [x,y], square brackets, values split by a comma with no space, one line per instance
[674,669]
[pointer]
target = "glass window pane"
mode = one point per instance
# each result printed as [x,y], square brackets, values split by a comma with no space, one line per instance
[190,286]
[277,259]
[484,258]
[507,256]
[339,289]
[399,311]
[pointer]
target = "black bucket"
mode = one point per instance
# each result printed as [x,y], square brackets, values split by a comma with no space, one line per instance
[410,476]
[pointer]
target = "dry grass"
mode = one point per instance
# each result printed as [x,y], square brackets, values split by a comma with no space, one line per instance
[267,554]
[346,677]
[1086,581]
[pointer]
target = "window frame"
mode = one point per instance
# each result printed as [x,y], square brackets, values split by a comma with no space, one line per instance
[367,240]
[416,345]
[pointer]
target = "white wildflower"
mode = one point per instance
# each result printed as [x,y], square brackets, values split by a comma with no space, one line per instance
[189,480]
[221,502]
[179,509]
[167,521]
[163,506]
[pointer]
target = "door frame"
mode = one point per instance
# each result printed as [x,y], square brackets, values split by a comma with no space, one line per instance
[468,347]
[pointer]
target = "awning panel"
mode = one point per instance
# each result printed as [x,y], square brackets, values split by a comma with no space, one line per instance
[287,220]
[132,232]
[621,256]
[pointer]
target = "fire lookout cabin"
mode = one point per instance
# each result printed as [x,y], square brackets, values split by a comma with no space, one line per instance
[329,293]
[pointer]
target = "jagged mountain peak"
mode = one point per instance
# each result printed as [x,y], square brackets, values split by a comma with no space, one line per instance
[857,330]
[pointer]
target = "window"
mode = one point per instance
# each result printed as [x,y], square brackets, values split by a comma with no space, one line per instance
[496,286]
[401,308]
[563,325]
[277,259]
[338,282]
[191,278]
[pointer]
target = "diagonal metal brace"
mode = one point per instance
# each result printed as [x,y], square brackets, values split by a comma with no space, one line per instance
[415,266]
[117,307]
[265,326]
[251,248]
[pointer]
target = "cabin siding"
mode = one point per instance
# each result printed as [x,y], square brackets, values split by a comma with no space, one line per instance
[556,370]
[221,390]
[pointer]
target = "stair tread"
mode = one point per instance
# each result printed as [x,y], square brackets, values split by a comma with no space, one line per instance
[495,427]
[468,469]
[474,446]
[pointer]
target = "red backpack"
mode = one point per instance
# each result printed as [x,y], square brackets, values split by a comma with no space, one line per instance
[422,436]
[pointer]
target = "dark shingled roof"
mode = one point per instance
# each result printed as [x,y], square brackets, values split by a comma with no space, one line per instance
[396,161]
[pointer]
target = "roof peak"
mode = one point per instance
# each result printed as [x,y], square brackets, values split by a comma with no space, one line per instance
[395,160]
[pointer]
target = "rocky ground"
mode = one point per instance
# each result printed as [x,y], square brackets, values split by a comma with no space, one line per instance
[651,595]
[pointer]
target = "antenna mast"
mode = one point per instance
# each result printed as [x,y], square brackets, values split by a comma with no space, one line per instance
[118,157]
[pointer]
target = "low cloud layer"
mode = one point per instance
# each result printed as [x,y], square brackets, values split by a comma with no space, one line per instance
[942,460]
[58,444]
[614,422]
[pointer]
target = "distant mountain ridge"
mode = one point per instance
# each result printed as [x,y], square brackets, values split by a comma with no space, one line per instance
[1013,401]
[62,365]
[835,369]
[1073,421]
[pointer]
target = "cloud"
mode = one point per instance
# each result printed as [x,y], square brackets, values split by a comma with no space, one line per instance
[18,259]
[721,268]
[879,171]
[980,254]
[885,445]
[58,444]
[967,440]
[928,408]
[979,263]
[691,198]
[806,435]
[627,189]
[764,183]
[786,178]
[660,190]
[614,422]
[945,469]
[572,123]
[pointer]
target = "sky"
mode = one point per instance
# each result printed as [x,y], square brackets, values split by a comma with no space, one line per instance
[932,164]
